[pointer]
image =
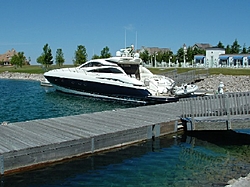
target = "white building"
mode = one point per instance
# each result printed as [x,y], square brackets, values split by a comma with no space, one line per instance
[213,56]
[235,60]
[216,57]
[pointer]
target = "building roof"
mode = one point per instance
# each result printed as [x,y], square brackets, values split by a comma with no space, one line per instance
[215,48]
[153,50]
[7,56]
[201,45]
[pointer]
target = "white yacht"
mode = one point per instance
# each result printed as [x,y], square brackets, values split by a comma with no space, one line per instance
[121,78]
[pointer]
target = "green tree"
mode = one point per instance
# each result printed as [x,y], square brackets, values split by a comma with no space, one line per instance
[165,56]
[105,53]
[180,54]
[95,57]
[40,59]
[59,57]
[198,51]
[228,49]
[189,54]
[220,45]
[29,61]
[145,56]
[80,55]
[18,59]
[46,57]
[159,56]
[235,47]
[244,49]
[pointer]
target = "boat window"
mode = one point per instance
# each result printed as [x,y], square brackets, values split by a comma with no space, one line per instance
[92,64]
[106,70]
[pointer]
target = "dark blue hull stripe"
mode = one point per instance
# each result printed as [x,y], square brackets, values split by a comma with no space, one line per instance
[99,88]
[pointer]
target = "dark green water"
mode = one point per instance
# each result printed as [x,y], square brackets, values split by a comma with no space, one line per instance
[200,159]
[27,100]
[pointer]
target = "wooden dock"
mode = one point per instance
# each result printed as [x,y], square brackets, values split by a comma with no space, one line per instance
[25,145]
[30,144]
[228,111]
[187,77]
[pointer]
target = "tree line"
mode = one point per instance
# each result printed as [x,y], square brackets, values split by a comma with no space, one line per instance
[81,56]
[190,52]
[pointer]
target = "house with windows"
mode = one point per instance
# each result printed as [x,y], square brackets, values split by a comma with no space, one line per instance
[211,59]
[235,60]
[6,57]
[216,57]
[213,56]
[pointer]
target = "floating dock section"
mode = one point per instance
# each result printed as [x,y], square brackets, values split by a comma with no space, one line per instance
[25,145]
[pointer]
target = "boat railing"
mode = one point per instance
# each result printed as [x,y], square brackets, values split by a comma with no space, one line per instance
[151,84]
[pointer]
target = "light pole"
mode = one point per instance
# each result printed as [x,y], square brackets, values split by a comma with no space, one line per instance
[184,51]
[155,59]
[169,61]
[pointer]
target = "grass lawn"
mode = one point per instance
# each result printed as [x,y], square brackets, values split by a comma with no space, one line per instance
[212,71]
[37,69]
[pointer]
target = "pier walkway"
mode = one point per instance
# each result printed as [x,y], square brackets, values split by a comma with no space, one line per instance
[187,77]
[30,144]
[228,111]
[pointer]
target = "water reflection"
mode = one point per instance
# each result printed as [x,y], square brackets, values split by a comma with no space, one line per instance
[200,159]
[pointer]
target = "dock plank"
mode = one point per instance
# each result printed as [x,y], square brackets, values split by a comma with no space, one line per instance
[27,139]
[40,131]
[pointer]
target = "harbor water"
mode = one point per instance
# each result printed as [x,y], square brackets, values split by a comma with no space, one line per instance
[22,100]
[200,159]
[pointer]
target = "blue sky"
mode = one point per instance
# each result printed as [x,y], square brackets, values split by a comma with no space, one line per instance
[27,25]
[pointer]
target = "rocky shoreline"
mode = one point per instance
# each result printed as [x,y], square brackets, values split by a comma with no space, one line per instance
[22,76]
[231,83]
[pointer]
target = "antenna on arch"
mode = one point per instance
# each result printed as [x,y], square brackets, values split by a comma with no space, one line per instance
[125,38]
[135,40]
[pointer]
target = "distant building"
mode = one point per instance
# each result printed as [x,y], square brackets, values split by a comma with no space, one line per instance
[153,50]
[213,56]
[235,60]
[216,57]
[6,57]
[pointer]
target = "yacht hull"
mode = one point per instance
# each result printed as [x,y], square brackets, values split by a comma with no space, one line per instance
[98,89]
